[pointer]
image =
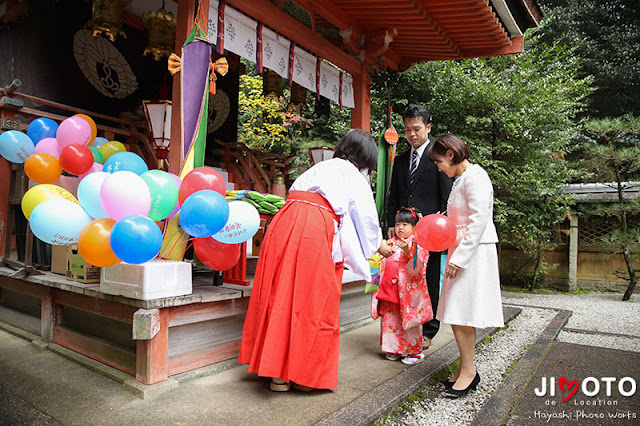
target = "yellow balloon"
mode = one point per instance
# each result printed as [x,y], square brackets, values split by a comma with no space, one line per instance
[110,148]
[40,193]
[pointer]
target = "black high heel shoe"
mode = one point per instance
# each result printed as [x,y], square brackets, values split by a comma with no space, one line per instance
[455,393]
[447,384]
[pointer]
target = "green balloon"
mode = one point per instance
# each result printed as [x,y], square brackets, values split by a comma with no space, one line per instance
[97,155]
[164,193]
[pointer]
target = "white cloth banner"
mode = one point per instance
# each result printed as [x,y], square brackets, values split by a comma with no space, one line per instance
[275,52]
[329,82]
[240,34]
[212,25]
[240,38]
[348,99]
[304,69]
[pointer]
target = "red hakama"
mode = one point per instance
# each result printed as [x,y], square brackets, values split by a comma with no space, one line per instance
[292,327]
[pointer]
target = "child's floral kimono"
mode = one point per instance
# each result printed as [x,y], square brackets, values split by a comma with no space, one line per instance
[401,324]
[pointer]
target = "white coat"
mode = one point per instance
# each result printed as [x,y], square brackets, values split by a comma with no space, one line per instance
[472,298]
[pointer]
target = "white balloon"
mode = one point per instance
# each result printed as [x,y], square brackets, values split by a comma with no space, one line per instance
[243,223]
[123,194]
[58,221]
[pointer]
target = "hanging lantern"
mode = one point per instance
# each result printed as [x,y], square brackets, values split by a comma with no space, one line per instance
[162,32]
[271,84]
[158,114]
[107,18]
[391,136]
[298,97]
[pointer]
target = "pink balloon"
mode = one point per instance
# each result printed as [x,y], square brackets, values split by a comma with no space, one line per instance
[123,194]
[48,146]
[96,167]
[73,130]
[177,208]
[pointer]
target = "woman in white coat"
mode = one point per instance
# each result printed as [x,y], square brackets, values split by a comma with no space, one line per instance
[470,295]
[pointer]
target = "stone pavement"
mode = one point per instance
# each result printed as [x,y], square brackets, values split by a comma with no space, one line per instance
[41,387]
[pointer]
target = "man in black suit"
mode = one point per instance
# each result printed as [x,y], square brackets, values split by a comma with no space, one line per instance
[416,182]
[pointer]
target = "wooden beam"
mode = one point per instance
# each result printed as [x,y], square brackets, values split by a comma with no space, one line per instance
[96,348]
[335,15]
[513,48]
[48,315]
[101,307]
[265,12]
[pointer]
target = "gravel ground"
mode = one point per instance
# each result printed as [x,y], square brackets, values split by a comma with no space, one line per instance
[594,314]
[492,361]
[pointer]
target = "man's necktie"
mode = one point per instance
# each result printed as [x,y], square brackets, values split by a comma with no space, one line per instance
[414,166]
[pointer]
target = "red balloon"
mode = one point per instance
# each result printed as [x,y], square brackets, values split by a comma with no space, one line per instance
[216,255]
[76,159]
[435,232]
[200,179]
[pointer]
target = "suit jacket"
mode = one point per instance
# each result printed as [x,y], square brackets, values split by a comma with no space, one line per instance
[428,194]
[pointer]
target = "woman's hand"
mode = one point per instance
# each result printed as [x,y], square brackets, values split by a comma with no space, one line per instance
[385,250]
[452,270]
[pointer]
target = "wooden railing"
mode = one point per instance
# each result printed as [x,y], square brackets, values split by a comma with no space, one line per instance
[254,169]
[128,129]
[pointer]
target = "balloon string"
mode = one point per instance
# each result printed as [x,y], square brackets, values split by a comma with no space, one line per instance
[173,237]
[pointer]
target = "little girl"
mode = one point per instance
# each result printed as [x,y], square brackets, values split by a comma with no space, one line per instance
[403,299]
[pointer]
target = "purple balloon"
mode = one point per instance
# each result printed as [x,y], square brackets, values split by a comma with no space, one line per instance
[73,130]
[48,146]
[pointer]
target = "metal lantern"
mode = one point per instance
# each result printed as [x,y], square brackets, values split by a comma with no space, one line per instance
[321,153]
[158,115]
[298,97]
[107,17]
[271,84]
[162,32]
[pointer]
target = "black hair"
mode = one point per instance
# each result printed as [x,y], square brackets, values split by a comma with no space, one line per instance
[358,147]
[417,111]
[407,215]
[448,142]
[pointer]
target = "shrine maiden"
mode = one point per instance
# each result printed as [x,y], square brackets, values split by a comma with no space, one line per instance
[292,328]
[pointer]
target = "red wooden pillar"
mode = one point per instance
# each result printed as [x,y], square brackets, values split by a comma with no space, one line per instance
[186,17]
[361,114]
[152,355]
[5,178]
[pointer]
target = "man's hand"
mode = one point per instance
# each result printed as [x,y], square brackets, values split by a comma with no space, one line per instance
[391,232]
[385,250]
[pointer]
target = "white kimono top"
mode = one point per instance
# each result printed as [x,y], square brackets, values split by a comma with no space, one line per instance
[358,235]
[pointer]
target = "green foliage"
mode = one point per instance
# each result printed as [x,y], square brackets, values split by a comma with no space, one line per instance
[518,114]
[612,155]
[605,35]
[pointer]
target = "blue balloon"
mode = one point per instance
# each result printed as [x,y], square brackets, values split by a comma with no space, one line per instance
[204,213]
[42,128]
[99,141]
[125,161]
[15,146]
[136,239]
[58,221]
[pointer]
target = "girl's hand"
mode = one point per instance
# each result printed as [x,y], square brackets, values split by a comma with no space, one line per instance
[452,270]
[404,246]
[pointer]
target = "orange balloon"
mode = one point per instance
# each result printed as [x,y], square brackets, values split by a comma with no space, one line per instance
[94,245]
[94,128]
[42,168]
